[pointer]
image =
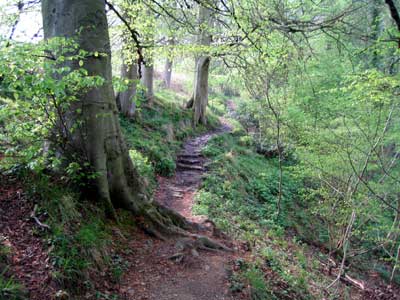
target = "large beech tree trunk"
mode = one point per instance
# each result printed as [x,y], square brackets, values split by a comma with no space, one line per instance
[125,100]
[117,182]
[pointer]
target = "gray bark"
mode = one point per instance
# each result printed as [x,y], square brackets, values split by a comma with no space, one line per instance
[167,73]
[200,95]
[377,29]
[147,81]
[199,99]
[117,182]
[126,99]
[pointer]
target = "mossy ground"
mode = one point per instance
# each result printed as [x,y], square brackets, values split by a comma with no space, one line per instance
[80,238]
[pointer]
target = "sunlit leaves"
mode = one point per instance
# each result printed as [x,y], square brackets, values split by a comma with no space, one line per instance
[36,90]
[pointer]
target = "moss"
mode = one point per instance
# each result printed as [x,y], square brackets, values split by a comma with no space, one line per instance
[150,133]
[240,195]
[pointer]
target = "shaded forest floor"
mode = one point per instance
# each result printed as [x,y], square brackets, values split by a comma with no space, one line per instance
[24,254]
[83,256]
[171,270]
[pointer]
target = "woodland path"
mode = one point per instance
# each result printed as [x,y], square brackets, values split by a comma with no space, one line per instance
[199,275]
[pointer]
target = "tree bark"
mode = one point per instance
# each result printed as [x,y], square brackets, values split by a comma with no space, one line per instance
[167,73]
[200,95]
[126,100]
[147,81]
[117,183]
[394,13]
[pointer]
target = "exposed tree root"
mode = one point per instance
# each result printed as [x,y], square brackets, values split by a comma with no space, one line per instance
[35,218]
[190,103]
[163,223]
[190,245]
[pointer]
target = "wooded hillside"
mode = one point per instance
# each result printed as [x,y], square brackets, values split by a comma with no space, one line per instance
[199,149]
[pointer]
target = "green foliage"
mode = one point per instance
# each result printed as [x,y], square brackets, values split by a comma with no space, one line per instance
[143,166]
[10,289]
[79,238]
[159,132]
[78,250]
[242,183]
[35,94]
[258,285]
[240,195]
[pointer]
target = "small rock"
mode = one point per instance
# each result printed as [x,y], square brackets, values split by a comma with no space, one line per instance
[195,253]
[61,295]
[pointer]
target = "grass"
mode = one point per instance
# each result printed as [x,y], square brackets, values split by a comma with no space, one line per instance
[158,132]
[240,195]
[80,235]
[9,288]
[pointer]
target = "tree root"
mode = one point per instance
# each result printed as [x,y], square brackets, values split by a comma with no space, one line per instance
[190,245]
[156,219]
[190,103]
[163,223]
[35,218]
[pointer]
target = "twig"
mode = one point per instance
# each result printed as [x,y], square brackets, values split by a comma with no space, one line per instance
[33,216]
[345,246]
[134,34]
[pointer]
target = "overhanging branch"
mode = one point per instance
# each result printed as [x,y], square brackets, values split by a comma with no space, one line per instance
[134,34]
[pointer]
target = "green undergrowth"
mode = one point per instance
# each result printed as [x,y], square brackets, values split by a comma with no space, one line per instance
[240,194]
[156,134]
[79,241]
[9,288]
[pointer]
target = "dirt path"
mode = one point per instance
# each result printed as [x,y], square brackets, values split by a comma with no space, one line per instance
[178,192]
[199,275]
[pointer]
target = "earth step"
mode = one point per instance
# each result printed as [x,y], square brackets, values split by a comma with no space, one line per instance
[188,160]
[178,189]
[177,195]
[191,155]
[189,151]
[182,166]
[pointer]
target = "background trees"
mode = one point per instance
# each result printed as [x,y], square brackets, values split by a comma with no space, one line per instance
[314,85]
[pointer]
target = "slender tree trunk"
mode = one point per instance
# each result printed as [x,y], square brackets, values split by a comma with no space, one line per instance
[199,99]
[376,27]
[117,182]
[167,73]
[168,65]
[147,81]
[126,99]
[200,96]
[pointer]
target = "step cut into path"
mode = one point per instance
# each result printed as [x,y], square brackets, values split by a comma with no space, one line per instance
[201,275]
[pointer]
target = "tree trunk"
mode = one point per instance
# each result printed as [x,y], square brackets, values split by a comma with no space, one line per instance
[376,32]
[117,182]
[147,81]
[167,73]
[126,99]
[200,95]
[199,100]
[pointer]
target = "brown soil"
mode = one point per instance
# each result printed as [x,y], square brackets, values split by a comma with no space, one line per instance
[28,260]
[197,274]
